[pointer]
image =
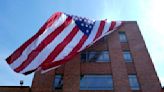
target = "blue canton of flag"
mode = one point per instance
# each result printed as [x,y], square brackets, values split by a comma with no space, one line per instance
[84,24]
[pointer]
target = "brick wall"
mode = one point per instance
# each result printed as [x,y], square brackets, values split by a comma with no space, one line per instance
[162,89]
[15,89]
[142,66]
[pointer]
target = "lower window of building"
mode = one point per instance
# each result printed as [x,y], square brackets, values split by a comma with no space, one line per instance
[96,82]
[133,82]
[58,82]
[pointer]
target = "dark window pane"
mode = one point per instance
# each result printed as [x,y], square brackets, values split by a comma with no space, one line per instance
[127,56]
[133,82]
[58,82]
[95,56]
[83,56]
[103,56]
[96,82]
[122,37]
[92,55]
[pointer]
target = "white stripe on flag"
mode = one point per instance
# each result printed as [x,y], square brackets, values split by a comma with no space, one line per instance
[104,32]
[114,28]
[70,46]
[49,48]
[108,24]
[37,41]
[44,71]
[106,27]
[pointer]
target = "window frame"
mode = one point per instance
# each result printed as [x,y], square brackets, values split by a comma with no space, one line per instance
[122,37]
[101,58]
[60,77]
[133,79]
[91,87]
[127,56]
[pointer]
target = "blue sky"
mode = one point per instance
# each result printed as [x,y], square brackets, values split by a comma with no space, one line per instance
[20,19]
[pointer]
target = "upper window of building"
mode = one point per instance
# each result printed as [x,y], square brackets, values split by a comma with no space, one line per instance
[95,56]
[133,82]
[122,37]
[96,82]
[58,82]
[127,56]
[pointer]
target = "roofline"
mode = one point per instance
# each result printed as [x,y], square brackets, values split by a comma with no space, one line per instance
[14,86]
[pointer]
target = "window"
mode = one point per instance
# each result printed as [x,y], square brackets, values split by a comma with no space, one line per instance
[58,82]
[95,56]
[127,56]
[96,82]
[133,82]
[122,37]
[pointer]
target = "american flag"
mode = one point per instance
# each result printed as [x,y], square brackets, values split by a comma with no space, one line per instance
[58,40]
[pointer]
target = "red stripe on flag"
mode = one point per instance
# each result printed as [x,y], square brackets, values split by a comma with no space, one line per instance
[68,57]
[43,44]
[59,48]
[19,51]
[113,23]
[100,30]
[74,51]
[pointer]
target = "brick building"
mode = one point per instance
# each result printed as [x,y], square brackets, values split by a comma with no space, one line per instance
[15,89]
[119,62]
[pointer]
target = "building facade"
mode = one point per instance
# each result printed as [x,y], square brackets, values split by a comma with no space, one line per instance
[119,62]
[15,89]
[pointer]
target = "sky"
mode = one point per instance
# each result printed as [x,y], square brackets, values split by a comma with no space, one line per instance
[21,19]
